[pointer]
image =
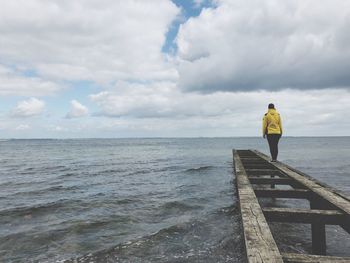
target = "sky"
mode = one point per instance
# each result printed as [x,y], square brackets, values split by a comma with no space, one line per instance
[181,68]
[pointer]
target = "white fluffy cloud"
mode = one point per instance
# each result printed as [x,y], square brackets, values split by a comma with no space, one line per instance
[77,110]
[250,44]
[28,108]
[95,40]
[13,83]
[137,100]
[225,113]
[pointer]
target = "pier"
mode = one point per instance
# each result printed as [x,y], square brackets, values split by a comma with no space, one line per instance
[256,177]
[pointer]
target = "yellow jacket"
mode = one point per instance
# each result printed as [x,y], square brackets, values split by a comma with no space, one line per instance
[272,123]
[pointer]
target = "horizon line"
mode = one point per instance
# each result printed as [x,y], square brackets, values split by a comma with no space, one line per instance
[171,137]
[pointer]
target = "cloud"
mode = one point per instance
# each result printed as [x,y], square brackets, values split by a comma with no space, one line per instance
[304,113]
[164,108]
[22,127]
[77,110]
[28,108]
[198,3]
[246,45]
[13,83]
[56,128]
[102,41]
[138,100]
[310,113]
[231,61]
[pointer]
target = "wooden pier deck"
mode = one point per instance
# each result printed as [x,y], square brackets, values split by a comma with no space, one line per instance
[327,207]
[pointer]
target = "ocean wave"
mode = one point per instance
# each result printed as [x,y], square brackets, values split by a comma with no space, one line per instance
[47,190]
[177,206]
[57,233]
[39,208]
[67,175]
[137,246]
[199,169]
[94,224]
[182,242]
[56,167]
[143,171]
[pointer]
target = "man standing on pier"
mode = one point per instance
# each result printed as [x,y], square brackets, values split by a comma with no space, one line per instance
[272,129]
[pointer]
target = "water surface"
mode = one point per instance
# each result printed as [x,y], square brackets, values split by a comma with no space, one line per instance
[142,200]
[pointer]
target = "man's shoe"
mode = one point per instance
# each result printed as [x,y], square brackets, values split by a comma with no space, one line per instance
[273,161]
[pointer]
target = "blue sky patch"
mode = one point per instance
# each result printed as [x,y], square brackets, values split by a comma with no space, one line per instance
[188,9]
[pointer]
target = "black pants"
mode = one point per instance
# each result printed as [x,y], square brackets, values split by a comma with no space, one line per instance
[273,143]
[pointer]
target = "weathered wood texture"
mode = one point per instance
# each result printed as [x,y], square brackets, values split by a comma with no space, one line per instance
[281,193]
[260,172]
[279,181]
[259,243]
[327,207]
[305,216]
[259,180]
[339,200]
[324,197]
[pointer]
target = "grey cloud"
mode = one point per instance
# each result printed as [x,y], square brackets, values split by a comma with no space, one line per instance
[270,45]
[95,40]
[311,112]
[163,100]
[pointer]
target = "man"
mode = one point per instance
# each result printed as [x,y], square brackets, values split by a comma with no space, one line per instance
[272,129]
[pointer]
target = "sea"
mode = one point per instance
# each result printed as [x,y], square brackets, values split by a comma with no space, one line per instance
[146,200]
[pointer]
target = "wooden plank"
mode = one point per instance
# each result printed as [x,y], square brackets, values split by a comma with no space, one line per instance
[246,154]
[259,243]
[260,180]
[278,181]
[252,159]
[339,200]
[305,216]
[321,197]
[262,167]
[260,170]
[249,163]
[257,172]
[317,218]
[317,202]
[282,193]
[302,258]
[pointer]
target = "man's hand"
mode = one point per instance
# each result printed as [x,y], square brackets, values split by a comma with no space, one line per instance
[264,136]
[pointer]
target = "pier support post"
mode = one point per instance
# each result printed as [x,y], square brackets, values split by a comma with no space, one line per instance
[327,207]
[318,230]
